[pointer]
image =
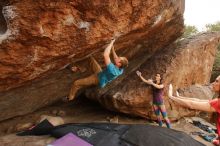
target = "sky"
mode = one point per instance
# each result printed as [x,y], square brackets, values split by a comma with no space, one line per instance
[201,12]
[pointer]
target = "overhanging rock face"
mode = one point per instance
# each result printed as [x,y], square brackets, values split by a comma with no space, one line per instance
[184,63]
[43,37]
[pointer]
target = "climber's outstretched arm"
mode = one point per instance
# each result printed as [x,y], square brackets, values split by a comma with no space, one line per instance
[107,53]
[149,81]
[191,103]
[142,78]
[115,56]
[187,98]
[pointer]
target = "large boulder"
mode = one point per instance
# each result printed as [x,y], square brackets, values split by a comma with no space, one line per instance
[43,37]
[184,63]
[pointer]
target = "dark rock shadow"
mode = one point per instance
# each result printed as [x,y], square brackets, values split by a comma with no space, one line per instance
[3,23]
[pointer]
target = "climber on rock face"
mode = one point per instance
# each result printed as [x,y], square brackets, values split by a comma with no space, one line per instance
[101,77]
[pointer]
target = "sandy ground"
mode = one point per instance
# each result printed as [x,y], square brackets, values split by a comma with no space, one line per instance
[78,111]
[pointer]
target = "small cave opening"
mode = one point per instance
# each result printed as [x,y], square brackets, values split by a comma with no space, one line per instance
[3,23]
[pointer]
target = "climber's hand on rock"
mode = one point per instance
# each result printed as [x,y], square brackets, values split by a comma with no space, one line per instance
[138,73]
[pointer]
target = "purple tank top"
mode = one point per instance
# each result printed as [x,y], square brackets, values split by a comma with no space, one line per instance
[157,96]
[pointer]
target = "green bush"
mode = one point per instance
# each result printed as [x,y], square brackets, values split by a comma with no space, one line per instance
[216,66]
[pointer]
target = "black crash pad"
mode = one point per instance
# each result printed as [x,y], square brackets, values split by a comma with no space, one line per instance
[126,135]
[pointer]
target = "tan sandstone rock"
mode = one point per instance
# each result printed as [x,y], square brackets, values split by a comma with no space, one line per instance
[44,37]
[55,121]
